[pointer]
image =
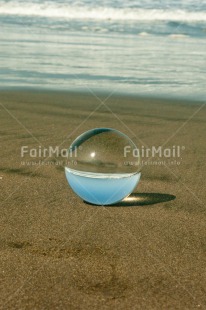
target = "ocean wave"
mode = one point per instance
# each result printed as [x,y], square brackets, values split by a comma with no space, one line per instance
[178,36]
[58,10]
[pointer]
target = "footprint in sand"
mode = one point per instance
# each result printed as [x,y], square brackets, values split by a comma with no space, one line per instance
[94,269]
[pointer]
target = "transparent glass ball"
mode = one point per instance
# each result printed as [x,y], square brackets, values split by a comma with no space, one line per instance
[103,166]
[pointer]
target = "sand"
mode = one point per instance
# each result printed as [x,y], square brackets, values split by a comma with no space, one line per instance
[57,252]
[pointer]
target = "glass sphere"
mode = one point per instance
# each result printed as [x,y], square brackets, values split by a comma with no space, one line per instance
[103,166]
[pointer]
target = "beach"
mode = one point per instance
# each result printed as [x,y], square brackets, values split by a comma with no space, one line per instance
[58,252]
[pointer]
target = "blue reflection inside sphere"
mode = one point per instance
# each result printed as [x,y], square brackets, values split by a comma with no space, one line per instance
[103,166]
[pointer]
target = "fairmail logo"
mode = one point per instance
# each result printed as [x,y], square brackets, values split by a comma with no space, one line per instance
[152,152]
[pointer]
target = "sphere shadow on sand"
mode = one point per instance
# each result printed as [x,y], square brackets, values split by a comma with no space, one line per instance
[141,199]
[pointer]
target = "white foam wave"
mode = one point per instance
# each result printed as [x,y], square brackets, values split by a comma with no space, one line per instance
[178,36]
[54,10]
[143,34]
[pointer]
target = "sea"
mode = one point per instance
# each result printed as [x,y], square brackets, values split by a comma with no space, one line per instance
[143,48]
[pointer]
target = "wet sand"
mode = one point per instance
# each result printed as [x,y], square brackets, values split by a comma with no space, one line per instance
[57,252]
